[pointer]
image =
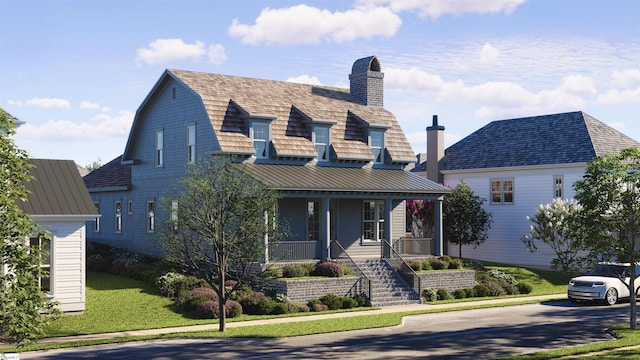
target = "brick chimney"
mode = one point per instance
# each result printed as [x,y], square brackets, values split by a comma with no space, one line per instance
[366,81]
[435,150]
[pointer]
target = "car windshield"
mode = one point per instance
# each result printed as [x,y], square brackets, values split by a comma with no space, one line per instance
[609,270]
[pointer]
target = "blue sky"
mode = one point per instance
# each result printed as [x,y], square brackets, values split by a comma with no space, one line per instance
[76,71]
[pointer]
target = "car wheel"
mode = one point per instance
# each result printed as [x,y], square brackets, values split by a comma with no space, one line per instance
[611,297]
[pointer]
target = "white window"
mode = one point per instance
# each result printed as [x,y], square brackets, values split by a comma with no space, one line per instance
[373,217]
[118,216]
[313,220]
[174,214]
[159,146]
[261,139]
[96,221]
[558,188]
[502,191]
[44,245]
[151,217]
[376,142]
[321,141]
[191,144]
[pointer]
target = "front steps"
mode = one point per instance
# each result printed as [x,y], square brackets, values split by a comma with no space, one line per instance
[388,288]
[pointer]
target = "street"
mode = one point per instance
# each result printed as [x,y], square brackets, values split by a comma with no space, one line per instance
[469,334]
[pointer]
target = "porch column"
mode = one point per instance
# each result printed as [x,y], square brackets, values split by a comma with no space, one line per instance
[388,224]
[438,227]
[266,238]
[325,228]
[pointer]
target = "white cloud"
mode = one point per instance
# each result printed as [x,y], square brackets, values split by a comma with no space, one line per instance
[164,50]
[216,54]
[437,8]
[488,53]
[618,97]
[102,127]
[578,85]
[89,105]
[305,79]
[43,103]
[625,78]
[303,24]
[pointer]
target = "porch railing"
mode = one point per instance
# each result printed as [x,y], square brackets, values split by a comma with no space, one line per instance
[294,250]
[414,246]
[390,255]
[340,254]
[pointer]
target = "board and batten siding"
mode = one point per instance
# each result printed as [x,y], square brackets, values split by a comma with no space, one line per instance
[532,187]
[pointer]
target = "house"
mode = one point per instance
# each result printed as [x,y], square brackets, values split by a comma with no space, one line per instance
[58,201]
[518,164]
[337,157]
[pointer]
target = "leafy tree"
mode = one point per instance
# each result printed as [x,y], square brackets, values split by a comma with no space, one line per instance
[555,225]
[216,222]
[24,307]
[610,197]
[96,164]
[465,222]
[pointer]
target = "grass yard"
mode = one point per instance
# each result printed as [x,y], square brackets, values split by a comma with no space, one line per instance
[544,282]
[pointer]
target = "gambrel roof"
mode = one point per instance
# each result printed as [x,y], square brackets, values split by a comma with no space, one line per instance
[565,138]
[230,101]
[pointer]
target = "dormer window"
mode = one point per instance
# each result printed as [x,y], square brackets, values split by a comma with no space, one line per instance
[376,142]
[260,135]
[321,140]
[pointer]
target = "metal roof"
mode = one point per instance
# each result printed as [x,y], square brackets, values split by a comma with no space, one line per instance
[343,180]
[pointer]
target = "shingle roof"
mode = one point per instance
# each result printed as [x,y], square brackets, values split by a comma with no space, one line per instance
[228,99]
[113,174]
[57,189]
[341,179]
[565,138]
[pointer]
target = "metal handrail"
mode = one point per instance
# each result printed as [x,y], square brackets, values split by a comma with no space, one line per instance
[405,267]
[353,265]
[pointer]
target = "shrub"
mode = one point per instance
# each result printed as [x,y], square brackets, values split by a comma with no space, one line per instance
[469,292]
[273,272]
[495,288]
[524,288]
[503,275]
[481,290]
[415,265]
[455,263]
[295,307]
[319,307]
[349,303]
[333,301]
[296,270]
[329,268]
[142,271]
[207,310]
[233,308]
[96,262]
[277,308]
[258,304]
[426,265]
[459,294]
[437,264]
[167,284]
[209,293]
[443,294]
[360,299]
[189,300]
[312,302]
[430,294]
[188,283]
[117,267]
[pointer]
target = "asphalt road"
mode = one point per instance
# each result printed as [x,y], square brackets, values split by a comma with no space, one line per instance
[469,334]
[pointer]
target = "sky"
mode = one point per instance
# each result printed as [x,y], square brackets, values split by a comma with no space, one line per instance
[76,71]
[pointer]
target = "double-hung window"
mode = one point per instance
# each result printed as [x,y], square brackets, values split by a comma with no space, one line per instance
[558,188]
[261,139]
[118,216]
[373,217]
[44,247]
[502,191]
[376,142]
[321,141]
[159,148]
[191,144]
[313,220]
[151,216]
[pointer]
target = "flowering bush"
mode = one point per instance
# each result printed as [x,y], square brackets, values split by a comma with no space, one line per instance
[329,268]
[167,283]
[207,310]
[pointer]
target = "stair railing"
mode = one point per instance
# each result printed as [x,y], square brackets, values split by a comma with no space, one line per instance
[392,257]
[365,282]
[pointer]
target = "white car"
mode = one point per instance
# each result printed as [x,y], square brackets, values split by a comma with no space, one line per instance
[608,282]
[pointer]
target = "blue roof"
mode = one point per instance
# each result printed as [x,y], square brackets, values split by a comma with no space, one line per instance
[573,137]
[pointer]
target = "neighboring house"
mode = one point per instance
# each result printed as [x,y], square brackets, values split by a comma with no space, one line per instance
[516,165]
[58,201]
[336,155]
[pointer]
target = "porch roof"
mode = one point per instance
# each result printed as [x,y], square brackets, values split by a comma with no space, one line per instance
[342,180]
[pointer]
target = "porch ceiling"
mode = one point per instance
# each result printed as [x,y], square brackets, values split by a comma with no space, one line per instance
[341,180]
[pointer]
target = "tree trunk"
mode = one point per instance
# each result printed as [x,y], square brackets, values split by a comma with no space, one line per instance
[460,251]
[222,299]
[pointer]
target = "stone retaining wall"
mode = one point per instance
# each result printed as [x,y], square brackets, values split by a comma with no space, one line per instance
[450,280]
[307,289]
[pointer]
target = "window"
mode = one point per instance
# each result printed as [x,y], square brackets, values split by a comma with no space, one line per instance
[174,214]
[502,191]
[44,245]
[130,207]
[191,144]
[557,186]
[173,92]
[118,216]
[322,141]
[151,217]
[261,139]
[313,220]
[96,221]
[159,140]
[373,215]
[376,142]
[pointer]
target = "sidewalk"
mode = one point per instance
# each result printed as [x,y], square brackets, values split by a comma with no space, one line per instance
[229,325]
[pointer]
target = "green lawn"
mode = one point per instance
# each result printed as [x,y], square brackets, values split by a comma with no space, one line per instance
[544,282]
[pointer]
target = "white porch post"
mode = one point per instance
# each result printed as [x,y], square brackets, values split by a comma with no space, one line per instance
[266,238]
[438,227]
[388,224]
[325,228]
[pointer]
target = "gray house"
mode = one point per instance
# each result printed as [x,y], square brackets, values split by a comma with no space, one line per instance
[518,164]
[336,155]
